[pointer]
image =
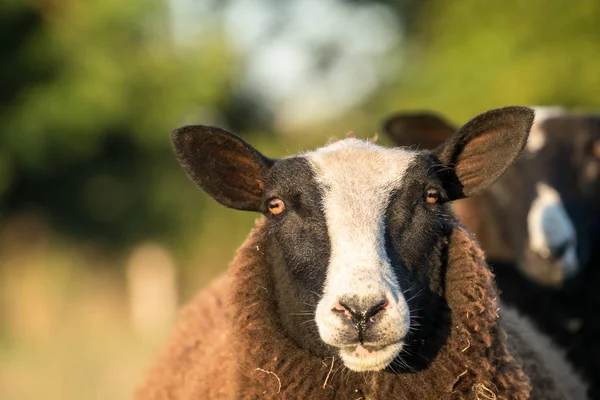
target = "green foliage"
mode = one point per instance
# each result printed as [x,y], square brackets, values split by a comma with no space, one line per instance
[95,88]
[90,89]
[468,56]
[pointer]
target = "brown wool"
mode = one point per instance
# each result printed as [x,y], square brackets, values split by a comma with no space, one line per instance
[229,345]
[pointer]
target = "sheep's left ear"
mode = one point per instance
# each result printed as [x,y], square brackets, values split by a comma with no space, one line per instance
[483,149]
[230,170]
[423,129]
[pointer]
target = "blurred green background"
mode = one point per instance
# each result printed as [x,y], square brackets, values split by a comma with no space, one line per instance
[102,236]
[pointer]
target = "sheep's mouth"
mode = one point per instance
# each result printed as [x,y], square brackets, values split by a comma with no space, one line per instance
[366,357]
[549,273]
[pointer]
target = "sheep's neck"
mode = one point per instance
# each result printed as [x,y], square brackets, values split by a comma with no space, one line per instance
[472,354]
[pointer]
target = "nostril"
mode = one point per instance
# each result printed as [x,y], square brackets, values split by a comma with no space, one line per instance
[555,252]
[375,309]
[346,307]
[341,307]
[337,306]
[559,251]
[360,311]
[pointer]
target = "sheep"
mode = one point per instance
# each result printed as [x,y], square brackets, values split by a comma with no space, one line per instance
[356,282]
[539,224]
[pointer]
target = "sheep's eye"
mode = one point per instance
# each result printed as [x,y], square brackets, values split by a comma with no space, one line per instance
[276,206]
[432,196]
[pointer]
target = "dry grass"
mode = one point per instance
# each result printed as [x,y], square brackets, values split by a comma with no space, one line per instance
[76,324]
[66,332]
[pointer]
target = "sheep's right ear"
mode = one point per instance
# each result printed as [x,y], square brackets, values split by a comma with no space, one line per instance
[483,149]
[230,170]
[425,130]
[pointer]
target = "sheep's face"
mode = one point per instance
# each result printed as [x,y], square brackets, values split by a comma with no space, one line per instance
[359,231]
[355,230]
[557,184]
[542,206]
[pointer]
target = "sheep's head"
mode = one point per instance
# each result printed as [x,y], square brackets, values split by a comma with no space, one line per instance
[543,207]
[356,230]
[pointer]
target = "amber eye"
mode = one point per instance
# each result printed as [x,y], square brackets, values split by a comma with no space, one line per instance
[276,206]
[432,196]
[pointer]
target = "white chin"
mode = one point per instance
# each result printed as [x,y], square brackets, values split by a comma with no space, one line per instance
[374,361]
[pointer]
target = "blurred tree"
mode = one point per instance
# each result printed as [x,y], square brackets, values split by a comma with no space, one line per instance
[467,56]
[89,90]
[404,10]
[88,93]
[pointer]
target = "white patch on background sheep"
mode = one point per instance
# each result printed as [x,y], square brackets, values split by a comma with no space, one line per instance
[550,227]
[357,178]
[537,137]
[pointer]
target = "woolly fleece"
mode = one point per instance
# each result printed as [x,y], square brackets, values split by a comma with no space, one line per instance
[229,345]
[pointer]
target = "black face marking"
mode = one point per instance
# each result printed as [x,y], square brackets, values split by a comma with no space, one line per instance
[415,233]
[299,248]
[415,227]
[301,229]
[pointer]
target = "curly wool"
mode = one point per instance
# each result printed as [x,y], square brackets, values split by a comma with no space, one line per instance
[230,344]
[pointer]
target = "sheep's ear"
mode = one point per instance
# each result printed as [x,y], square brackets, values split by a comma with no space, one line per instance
[224,165]
[483,149]
[425,130]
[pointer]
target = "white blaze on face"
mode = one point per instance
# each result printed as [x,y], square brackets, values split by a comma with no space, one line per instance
[550,228]
[357,178]
[537,137]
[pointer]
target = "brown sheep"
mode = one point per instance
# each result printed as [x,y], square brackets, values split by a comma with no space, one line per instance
[357,282]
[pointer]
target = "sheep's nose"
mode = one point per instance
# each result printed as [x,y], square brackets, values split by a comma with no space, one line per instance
[360,311]
[555,252]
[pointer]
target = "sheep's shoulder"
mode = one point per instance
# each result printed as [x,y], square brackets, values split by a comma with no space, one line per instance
[197,353]
[543,361]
